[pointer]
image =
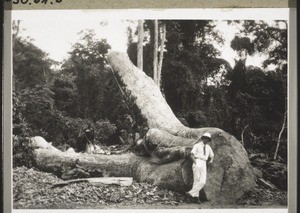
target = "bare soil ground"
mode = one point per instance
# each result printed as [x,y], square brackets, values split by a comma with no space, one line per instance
[32,189]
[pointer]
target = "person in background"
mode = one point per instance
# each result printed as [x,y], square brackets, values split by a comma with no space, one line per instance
[89,136]
[86,140]
[200,153]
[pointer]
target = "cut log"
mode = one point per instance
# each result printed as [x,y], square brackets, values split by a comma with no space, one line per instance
[175,176]
[167,143]
[229,177]
[120,181]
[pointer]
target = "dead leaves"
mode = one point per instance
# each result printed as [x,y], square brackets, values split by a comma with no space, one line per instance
[32,189]
[264,197]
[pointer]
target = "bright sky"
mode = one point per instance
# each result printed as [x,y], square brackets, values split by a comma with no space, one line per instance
[57,38]
[56,31]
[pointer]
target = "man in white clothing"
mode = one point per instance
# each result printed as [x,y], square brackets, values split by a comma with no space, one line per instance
[200,153]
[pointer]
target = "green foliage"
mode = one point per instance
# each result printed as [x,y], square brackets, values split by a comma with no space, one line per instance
[65,94]
[20,125]
[59,106]
[37,108]
[188,60]
[270,39]
[22,152]
[241,44]
[32,98]
[86,87]
[195,118]
[87,55]
[206,91]
[30,64]
[256,98]
[216,108]
[85,71]
[104,131]
[72,129]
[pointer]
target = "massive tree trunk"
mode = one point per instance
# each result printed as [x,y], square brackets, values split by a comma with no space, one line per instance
[151,107]
[173,176]
[166,146]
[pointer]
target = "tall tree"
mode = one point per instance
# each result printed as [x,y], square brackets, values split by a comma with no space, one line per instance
[155,51]
[140,44]
[279,136]
[158,59]
[270,39]
[186,57]
[87,63]
[161,53]
[16,29]
[264,91]
[190,58]
[31,65]
[243,46]
[32,97]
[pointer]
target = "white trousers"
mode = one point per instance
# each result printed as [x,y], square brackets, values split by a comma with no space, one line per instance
[199,174]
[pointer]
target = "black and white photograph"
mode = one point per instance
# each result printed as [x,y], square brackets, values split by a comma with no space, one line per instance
[141,109]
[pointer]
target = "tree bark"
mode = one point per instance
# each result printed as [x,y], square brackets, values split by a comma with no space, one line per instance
[161,54]
[151,107]
[155,59]
[174,176]
[140,44]
[242,134]
[166,146]
[16,29]
[279,136]
[168,140]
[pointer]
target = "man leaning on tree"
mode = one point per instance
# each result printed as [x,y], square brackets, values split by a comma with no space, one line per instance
[200,153]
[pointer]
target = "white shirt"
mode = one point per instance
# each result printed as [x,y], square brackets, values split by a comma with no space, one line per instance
[198,151]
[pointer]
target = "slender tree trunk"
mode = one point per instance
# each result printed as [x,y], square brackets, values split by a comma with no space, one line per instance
[242,135]
[161,55]
[140,44]
[155,59]
[16,29]
[279,136]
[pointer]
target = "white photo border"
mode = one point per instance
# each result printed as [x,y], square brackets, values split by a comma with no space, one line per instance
[207,14]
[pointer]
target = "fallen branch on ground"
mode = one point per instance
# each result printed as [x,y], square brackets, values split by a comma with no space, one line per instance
[266,184]
[121,181]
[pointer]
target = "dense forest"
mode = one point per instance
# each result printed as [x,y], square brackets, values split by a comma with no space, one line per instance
[202,89]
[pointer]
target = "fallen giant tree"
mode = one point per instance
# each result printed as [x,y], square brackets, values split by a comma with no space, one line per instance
[165,148]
